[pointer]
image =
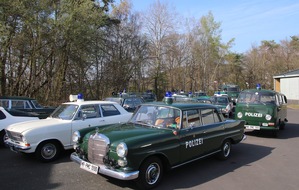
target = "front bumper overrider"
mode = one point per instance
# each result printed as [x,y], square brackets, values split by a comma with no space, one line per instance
[107,171]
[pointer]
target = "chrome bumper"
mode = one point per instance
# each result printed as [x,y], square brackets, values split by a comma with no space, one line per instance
[108,172]
[16,147]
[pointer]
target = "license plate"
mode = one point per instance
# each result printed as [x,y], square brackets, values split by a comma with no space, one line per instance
[89,167]
[254,127]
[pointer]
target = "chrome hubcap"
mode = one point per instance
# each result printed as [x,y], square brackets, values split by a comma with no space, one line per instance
[48,151]
[226,149]
[152,173]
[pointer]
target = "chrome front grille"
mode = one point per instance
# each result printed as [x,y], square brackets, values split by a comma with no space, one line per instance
[97,148]
[14,135]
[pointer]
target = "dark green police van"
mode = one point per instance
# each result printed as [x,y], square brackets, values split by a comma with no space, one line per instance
[262,109]
[231,90]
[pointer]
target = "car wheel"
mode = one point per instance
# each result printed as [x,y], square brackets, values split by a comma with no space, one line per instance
[47,151]
[151,172]
[225,150]
[2,136]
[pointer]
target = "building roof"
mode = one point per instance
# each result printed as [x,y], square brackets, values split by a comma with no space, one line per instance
[294,73]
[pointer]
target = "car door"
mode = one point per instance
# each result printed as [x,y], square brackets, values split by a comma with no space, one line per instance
[213,128]
[192,143]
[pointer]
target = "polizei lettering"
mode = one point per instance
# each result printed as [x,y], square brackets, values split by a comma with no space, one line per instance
[194,142]
[249,114]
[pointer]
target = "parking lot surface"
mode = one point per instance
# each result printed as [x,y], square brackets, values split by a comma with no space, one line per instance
[260,162]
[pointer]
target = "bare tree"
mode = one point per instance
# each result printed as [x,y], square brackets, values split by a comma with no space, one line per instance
[159,24]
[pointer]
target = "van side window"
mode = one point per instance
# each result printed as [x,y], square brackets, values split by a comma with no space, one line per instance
[191,118]
[210,116]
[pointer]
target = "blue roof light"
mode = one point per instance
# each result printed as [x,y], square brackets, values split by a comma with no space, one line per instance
[168,94]
[80,96]
[168,97]
[258,86]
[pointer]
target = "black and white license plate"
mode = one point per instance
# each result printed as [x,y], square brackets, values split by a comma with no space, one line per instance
[252,127]
[89,167]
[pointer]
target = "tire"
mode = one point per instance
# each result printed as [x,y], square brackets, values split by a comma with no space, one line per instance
[2,135]
[225,150]
[275,133]
[48,151]
[151,172]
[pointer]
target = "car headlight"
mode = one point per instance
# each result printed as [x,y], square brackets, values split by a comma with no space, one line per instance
[240,115]
[122,149]
[76,136]
[23,139]
[268,117]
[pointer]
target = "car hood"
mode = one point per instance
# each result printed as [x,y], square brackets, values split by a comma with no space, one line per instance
[134,134]
[35,124]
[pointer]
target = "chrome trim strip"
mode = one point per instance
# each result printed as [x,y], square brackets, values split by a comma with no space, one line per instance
[195,159]
[108,172]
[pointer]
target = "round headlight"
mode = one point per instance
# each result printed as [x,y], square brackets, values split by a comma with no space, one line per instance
[76,136]
[268,117]
[23,139]
[240,115]
[122,149]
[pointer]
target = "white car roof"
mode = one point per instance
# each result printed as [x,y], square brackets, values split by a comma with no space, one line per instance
[90,102]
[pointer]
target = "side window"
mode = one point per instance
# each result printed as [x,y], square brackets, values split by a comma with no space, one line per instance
[89,111]
[217,118]
[27,105]
[109,110]
[2,115]
[4,103]
[210,116]
[17,104]
[191,118]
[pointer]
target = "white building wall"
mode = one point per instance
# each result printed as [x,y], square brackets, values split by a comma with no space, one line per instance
[290,87]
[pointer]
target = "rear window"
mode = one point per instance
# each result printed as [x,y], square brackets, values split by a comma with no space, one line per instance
[109,110]
[210,116]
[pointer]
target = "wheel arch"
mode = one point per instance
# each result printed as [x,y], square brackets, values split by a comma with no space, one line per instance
[50,140]
[162,157]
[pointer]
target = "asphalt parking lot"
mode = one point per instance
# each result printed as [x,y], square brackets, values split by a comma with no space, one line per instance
[261,162]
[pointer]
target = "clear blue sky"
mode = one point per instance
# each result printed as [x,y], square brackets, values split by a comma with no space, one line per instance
[248,21]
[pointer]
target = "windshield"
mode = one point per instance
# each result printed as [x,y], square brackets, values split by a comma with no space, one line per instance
[65,111]
[233,89]
[256,98]
[157,116]
[220,100]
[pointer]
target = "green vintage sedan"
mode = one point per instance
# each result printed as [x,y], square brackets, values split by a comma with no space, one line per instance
[160,136]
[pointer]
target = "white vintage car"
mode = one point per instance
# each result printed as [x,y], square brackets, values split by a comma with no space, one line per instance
[8,117]
[48,137]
